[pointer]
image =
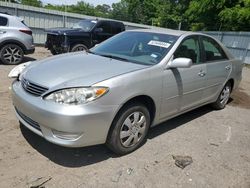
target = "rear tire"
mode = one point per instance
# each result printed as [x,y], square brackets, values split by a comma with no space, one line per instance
[129,129]
[79,47]
[11,54]
[223,98]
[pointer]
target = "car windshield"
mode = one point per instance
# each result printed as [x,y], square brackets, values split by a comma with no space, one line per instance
[137,47]
[85,25]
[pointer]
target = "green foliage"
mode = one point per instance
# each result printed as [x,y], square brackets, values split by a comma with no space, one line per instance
[196,15]
[103,11]
[35,3]
[120,11]
[236,18]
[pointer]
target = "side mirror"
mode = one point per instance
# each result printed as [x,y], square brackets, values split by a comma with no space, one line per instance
[98,30]
[180,63]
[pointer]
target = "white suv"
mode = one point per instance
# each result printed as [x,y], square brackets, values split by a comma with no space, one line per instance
[15,39]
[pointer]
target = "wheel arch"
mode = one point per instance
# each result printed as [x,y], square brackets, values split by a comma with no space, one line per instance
[142,99]
[11,41]
[231,81]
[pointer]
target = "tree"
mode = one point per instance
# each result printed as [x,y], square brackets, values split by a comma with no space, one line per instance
[219,14]
[82,8]
[236,18]
[35,3]
[103,10]
[171,14]
[142,11]
[120,11]
[197,15]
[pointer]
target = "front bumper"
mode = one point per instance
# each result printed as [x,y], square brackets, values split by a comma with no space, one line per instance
[66,125]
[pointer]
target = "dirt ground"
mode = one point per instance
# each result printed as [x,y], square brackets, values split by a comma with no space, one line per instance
[217,141]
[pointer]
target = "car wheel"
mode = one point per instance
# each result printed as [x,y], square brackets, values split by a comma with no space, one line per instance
[79,47]
[54,52]
[129,129]
[11,54]
[223,97]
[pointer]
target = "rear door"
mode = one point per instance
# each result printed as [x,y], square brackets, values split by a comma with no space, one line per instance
[218,67]
[117,27]
[3,26]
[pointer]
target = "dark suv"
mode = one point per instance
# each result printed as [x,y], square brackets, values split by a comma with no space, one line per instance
[82,36]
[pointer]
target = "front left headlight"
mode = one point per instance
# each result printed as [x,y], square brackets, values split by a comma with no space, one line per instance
[17,70]
[76,96]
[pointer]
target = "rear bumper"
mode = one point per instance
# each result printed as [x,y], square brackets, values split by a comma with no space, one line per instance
[30,51]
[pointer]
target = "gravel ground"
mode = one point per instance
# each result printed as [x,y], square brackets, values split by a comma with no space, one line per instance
[217,141]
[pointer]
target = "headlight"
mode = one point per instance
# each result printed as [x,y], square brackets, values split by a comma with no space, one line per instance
[17,70]
[76,96]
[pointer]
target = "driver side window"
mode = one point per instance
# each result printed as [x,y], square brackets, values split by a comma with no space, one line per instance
[189,48]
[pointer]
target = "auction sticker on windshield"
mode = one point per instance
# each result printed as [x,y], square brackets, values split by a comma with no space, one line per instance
[159,44]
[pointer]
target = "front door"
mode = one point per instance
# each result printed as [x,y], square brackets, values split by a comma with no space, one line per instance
[183,87]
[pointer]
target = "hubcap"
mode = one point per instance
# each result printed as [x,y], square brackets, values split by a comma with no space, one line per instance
[133,129]
[225,94]
[12,55]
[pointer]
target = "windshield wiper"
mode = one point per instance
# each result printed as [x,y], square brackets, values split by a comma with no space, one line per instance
[114,57]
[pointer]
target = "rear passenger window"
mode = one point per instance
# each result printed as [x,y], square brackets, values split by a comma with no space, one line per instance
[213,51]
[189,48]
[106,27]
[3,21]
[117,28]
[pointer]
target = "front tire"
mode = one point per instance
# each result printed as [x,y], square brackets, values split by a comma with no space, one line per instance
[54,52]
[223,98]
[11,54]
[129,129]
[79,47]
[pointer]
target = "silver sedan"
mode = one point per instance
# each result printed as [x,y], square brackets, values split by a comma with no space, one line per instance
[113,93]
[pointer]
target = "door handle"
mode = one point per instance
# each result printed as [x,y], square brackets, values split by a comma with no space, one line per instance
[201,73]
[2,32]
[228,67]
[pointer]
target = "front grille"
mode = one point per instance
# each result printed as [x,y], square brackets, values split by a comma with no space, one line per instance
[32,88]
[54,40]
[29,121]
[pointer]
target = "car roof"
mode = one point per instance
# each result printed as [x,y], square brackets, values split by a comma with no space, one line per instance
[166,31]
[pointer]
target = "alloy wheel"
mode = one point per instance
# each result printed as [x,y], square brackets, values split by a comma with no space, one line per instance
[12,55]
[133,129]
[225,94]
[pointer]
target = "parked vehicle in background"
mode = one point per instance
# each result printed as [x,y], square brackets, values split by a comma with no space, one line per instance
[16,39]
[115,92]
[82,36]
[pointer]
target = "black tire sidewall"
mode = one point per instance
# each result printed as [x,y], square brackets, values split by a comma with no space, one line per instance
[113,140]
[54,52]
[73,49]
[7,46]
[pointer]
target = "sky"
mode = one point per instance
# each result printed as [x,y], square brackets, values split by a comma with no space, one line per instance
[69,2]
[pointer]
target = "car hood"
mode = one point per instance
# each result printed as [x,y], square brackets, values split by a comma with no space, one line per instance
[76,69]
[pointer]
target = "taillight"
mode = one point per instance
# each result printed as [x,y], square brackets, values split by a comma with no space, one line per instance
[29,32]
